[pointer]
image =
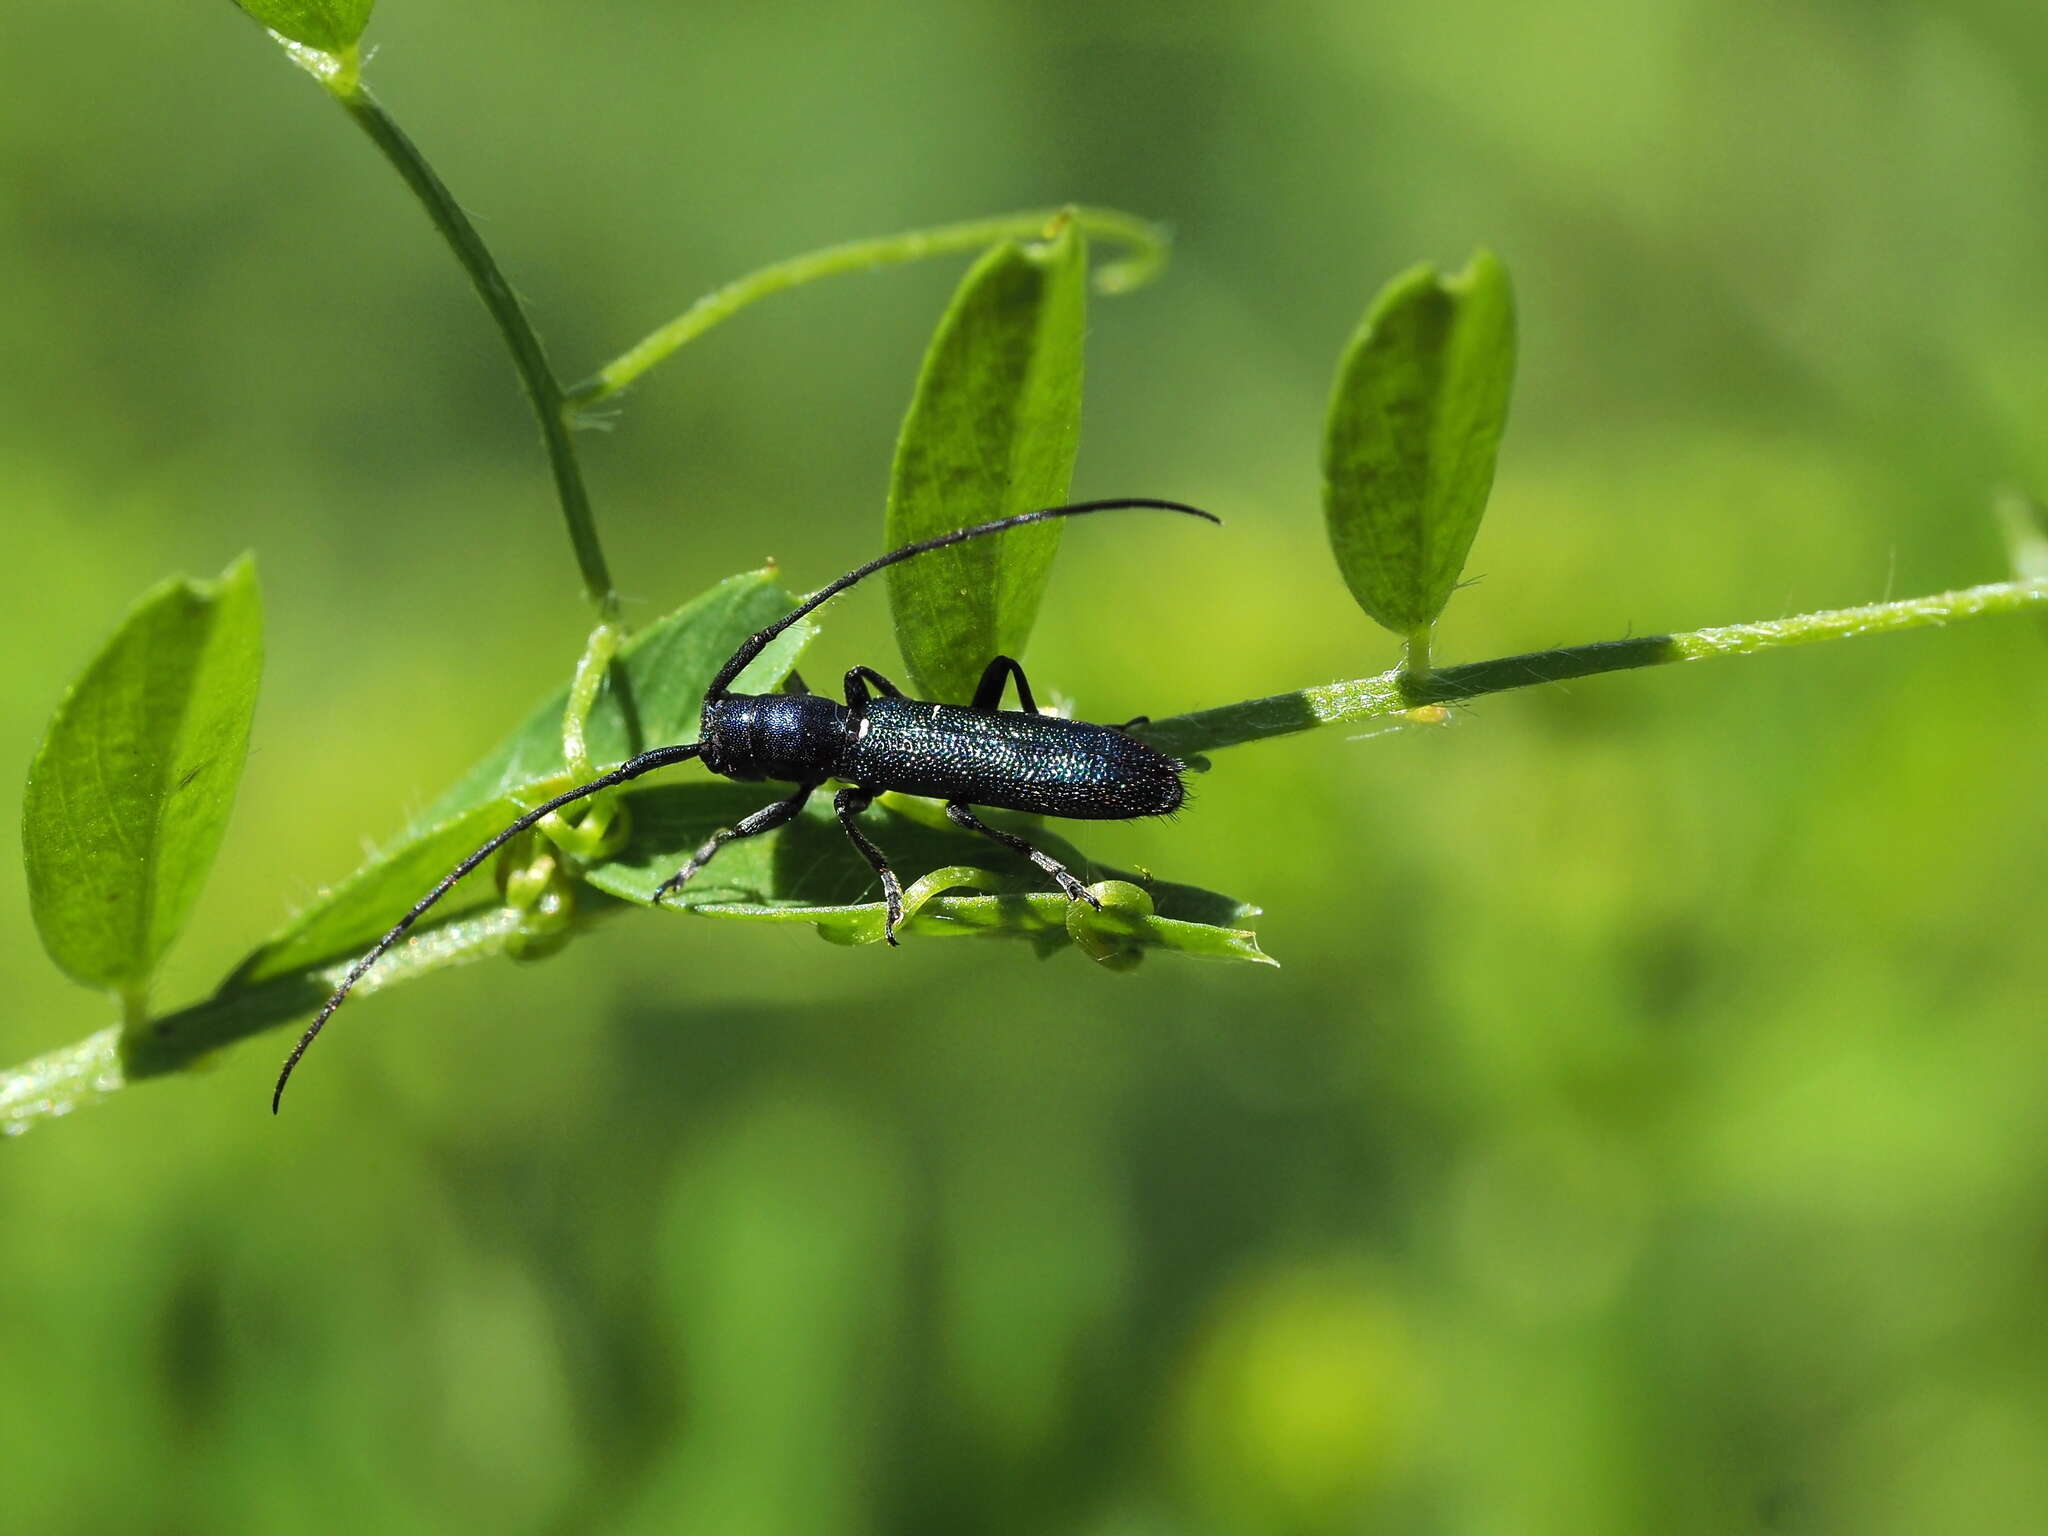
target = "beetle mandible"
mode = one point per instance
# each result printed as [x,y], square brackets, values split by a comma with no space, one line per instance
[877,741]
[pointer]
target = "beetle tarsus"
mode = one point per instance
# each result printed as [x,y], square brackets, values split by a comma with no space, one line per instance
[849,803]
[962,815]
[767,819]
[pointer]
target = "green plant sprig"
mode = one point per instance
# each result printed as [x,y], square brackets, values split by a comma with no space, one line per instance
[1414,424]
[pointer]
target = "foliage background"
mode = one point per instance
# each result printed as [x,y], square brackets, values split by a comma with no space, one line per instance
[1647,1128]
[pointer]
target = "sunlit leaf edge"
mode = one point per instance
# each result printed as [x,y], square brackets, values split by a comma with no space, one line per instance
[332,26]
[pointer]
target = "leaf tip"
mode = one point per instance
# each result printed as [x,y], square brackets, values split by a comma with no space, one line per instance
[2025,523]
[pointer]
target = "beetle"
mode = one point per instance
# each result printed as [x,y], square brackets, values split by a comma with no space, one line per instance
[878,740]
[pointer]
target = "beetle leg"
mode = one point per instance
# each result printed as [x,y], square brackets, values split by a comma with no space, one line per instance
[988,693]
[857,681]
[849,803]
[959,814]
[767,819]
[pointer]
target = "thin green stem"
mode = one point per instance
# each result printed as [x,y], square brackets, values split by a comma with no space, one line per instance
[178,1039]
[81,1074]
[63,1081]
[1146,244]
[543,389]
[1390,693]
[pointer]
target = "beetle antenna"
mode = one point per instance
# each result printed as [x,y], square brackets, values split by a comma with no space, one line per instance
[756,643]
[646,762]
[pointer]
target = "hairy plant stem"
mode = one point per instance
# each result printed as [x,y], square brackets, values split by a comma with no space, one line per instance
[1145,242]
[1391,693]
[543,389]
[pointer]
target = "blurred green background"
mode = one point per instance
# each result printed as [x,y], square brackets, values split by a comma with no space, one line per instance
[1646,1130]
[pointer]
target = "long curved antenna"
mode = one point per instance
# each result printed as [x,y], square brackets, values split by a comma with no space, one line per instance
[646,762]
[757,643]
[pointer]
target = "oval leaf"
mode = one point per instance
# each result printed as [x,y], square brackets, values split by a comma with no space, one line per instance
[992,430]
[1414,425]
[332,26]
[129,795]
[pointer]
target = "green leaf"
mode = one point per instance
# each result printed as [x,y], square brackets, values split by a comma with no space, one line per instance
[1415,422]
[332,26]
[991,431]
[808,872]
[129,795]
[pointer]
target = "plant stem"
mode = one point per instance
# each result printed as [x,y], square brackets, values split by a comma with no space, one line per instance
[1146,243]
[179,1039]
[543,389]
[1415,657]
[1390,693]
[62,1081]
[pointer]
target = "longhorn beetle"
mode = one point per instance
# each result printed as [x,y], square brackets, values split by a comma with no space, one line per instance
[879,740]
